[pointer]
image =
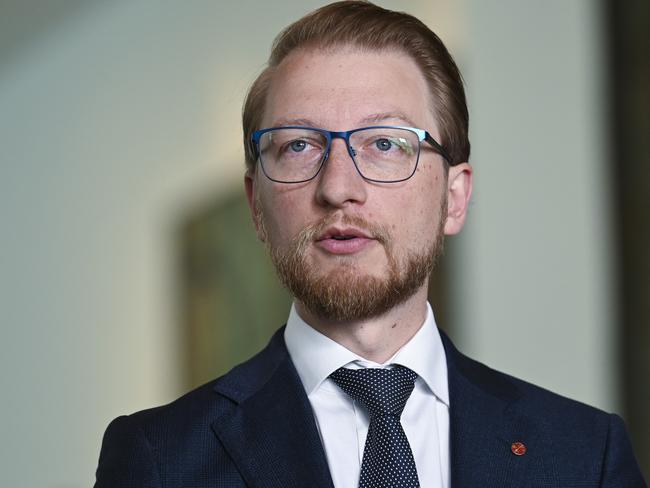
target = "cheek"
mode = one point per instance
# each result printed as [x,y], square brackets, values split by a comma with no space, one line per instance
[420,208]
[282,215]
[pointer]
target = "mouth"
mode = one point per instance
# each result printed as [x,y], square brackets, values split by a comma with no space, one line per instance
[346,234]
[348,240]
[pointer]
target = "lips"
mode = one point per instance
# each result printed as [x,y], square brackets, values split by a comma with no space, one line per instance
[342,234]
[348,240]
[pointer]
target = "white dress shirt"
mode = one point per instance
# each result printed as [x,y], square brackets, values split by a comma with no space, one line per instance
[343,424]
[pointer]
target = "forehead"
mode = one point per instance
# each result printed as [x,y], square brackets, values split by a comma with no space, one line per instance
[347,87]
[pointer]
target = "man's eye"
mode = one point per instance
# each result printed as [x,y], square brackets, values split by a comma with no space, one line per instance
[383,144]
[297,146]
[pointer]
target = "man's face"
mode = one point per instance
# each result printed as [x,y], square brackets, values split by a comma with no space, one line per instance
[346,247]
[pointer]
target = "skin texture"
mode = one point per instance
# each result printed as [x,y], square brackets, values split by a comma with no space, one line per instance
[342,90]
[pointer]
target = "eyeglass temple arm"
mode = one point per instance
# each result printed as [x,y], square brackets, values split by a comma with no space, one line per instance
[441,150]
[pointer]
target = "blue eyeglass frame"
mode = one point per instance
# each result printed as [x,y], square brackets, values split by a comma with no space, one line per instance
[423,136]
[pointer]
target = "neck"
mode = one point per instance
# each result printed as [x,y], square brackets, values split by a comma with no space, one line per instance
[378,338]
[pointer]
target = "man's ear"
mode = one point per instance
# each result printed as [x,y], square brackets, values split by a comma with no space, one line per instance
[459,191]
[250,185]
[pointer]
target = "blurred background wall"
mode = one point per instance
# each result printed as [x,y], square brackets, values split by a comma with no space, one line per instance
[121,166]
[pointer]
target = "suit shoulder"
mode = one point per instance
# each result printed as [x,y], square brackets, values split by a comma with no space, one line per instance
[194,403]
[538,400]
[521,394]
[166,442]
[209,401]
[541,401]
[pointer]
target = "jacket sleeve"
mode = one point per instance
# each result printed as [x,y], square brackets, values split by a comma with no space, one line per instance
[620,469]
[127,459]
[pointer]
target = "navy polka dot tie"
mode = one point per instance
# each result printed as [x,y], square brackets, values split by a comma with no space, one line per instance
[387,457]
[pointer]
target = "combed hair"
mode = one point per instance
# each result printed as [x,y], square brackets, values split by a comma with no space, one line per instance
[364,25]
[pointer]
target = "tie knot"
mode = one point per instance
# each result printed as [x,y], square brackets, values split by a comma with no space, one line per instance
[381,391]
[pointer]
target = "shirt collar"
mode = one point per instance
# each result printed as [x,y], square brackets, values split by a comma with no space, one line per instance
[317,356]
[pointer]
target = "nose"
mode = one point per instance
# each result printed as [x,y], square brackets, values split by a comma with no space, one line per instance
[339,183]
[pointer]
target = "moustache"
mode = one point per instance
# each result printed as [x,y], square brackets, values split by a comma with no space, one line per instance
[311,232]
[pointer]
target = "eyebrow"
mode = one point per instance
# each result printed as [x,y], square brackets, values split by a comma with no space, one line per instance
[383,116]
[291,122]
[377,118]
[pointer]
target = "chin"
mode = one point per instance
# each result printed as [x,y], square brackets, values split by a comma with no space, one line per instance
[348,266]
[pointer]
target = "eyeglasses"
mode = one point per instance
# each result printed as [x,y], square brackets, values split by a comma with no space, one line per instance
[383,154]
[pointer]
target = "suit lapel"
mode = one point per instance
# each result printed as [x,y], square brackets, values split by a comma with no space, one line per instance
[484,423]
[269,429]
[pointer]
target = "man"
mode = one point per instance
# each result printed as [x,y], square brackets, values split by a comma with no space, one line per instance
[356,150]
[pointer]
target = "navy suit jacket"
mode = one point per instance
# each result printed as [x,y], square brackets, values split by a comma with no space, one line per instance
[254,427]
